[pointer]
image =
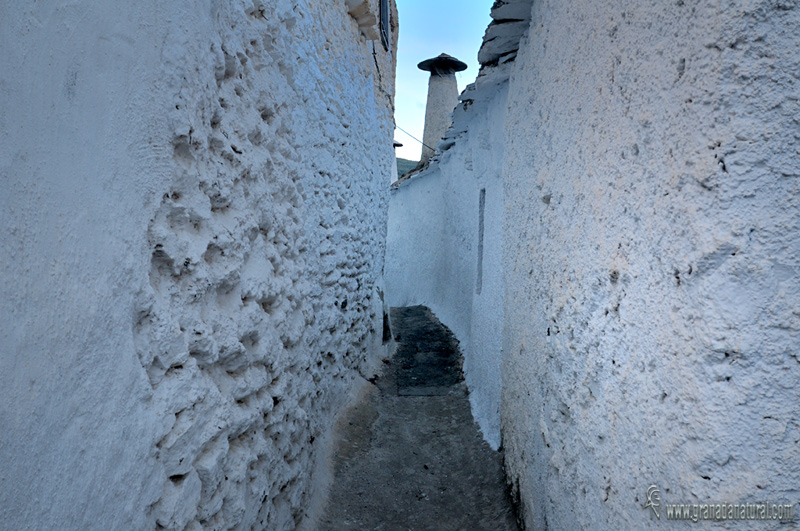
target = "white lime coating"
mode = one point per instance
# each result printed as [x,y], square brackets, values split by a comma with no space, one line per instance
[652,258]
[193,216]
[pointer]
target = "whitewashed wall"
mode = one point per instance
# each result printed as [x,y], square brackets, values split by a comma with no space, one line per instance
[652,256]
[193,208]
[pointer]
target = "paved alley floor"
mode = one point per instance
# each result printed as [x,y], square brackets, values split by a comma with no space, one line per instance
[409,455]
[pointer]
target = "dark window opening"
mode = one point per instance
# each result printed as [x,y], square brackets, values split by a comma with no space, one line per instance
[385,23]
[387,328]
[481,208]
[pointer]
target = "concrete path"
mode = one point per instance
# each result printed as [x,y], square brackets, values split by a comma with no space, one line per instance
[408,455]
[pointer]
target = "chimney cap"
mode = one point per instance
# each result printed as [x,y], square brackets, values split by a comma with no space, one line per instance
[442,64]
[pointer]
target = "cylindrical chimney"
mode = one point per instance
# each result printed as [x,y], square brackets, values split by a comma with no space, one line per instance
[442,99]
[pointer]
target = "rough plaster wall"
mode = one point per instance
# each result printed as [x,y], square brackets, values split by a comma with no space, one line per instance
[652,254]
[432,251]
[194,209]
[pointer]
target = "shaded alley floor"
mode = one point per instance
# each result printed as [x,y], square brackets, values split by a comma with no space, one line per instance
[409,455]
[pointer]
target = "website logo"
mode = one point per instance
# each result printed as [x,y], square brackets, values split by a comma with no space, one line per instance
[653,501]
[718,512]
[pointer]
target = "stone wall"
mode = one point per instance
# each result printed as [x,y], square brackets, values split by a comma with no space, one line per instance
[194,220]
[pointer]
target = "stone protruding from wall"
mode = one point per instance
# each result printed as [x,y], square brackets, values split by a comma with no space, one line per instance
[442,99]
[362,11]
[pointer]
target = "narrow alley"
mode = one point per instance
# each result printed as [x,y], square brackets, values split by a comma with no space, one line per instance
[298,265]
[409,455]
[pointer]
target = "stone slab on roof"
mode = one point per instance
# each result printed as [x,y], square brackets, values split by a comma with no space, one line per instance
[511,19]
[501,38]
[511,10]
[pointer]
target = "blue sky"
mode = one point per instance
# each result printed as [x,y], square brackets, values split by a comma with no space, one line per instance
[428,28]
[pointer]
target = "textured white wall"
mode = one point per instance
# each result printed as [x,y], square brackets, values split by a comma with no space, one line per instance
[193,216]
[652,258]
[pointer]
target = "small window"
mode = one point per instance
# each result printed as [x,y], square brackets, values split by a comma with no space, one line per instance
[385,23]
